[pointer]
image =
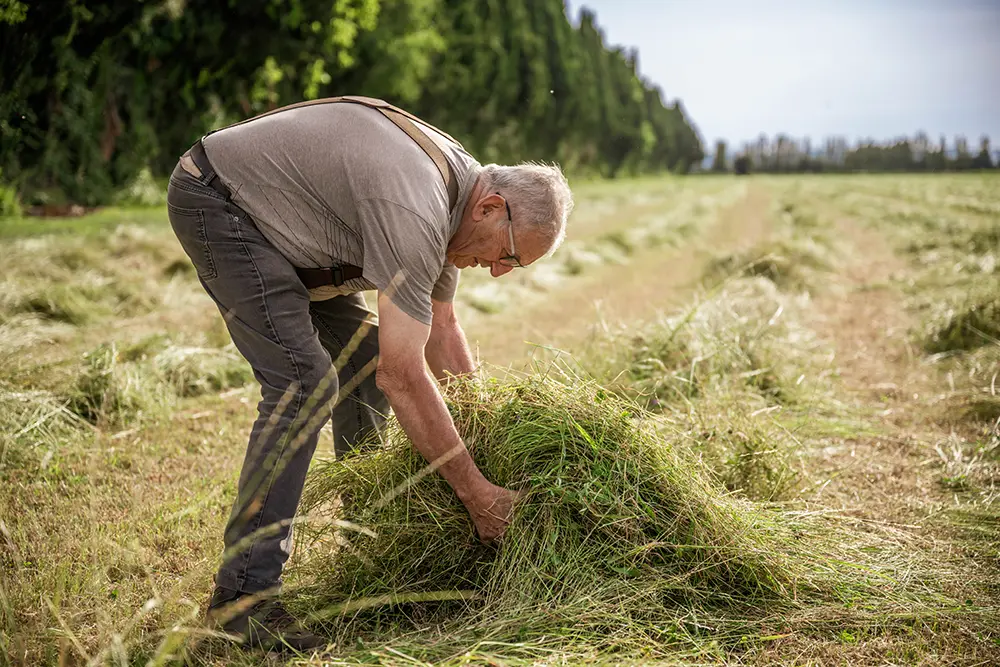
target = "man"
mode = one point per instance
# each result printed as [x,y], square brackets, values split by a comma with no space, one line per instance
[287,217]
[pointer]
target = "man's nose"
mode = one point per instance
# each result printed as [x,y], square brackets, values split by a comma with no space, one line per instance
[497,269]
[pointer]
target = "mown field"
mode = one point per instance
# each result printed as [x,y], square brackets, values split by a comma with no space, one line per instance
[757,420]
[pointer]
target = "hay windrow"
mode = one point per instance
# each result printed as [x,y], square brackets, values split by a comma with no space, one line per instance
[621,536]
[723,368]
[120,386]
[33,425]
[745,339]
[973,321]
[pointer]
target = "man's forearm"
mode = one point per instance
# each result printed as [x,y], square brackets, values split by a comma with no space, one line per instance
[422,413]
[448,353]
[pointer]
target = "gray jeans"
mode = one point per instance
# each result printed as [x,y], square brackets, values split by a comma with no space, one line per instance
[314,360]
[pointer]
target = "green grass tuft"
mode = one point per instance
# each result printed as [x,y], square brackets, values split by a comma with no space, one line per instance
[62,303]
[790,263]
[111,391]
[971,322]
[120,386]
[34,425]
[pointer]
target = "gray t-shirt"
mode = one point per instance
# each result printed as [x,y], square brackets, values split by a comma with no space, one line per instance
[339,183]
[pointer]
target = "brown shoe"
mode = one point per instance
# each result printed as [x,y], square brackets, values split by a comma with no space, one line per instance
[259,623]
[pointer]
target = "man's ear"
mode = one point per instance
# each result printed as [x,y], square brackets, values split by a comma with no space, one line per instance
[486,206]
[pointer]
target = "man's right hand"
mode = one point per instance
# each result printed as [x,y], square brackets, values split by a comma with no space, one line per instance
[402,376]
[491,510]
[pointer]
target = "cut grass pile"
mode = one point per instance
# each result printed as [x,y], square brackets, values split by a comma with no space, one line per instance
[33,425]
[745,339]
[79,281]
[122,386]
[721,372]
[792,259]
[967,318]
[623,544]
[115,388]
[969,458]
[790,263]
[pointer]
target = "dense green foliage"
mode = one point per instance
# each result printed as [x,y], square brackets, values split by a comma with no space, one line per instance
[90,93]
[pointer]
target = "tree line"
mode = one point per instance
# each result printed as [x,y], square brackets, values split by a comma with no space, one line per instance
[91,93]
[786,155]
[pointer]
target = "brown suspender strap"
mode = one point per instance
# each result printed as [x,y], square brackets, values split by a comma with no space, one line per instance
[382,104]
[401,119]
[429,147]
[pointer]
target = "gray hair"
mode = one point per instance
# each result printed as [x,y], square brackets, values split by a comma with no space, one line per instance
[538,195]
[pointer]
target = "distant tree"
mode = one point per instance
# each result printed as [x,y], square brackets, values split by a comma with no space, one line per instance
[963,159]
[741,165]
[781,152]
[920,147]
[786,154]
[984,160]
[946,162]
[762,155]
[719,163]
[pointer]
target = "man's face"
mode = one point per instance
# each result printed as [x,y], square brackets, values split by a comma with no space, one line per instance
[468,262]
[488,239]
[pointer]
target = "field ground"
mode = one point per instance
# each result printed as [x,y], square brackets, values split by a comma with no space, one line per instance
[828,348]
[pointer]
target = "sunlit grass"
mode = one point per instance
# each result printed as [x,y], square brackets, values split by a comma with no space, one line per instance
[693,529]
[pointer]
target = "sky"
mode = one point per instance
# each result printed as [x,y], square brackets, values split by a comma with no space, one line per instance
[816,68]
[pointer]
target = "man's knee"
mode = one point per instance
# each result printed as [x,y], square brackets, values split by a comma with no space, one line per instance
[319,386]
[314,390]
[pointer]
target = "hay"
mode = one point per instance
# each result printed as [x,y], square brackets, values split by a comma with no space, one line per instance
[971,323]
[33,425]
[720,372]
[796,258]
[746,339]
[121,386]
[111,391]
[621,540]
[194,371]
[793,263]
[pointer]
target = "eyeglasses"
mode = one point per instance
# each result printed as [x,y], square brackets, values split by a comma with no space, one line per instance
[511,260]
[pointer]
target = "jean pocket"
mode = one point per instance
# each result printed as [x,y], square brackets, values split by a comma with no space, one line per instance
[189,226]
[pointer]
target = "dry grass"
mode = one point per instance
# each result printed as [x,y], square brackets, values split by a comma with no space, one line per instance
[622,540]
[724,369]
[117,469]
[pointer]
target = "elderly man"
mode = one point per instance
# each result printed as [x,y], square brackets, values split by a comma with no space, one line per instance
[287,217]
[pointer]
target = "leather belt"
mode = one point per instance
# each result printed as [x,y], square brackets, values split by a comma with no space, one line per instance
[208,176]
[336,276]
